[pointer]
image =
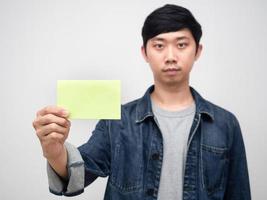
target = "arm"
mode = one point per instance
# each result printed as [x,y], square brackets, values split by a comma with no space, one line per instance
[69,170]
[84,164]
[60,164]
[52,128]
[74,184]
[65,167]
[96,153]
[238,187]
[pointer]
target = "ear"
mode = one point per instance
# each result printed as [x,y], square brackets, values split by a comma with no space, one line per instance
[144,53]
[199,50]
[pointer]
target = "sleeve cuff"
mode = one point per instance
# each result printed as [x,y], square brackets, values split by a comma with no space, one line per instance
[75,183]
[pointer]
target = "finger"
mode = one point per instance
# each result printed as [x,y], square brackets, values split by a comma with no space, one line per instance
[54,136]
[61,112]
[48,129]
[51,118]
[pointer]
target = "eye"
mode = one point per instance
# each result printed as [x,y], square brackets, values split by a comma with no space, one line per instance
[158,46]
[182,45]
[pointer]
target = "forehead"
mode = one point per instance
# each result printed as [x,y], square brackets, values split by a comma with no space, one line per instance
[174,36]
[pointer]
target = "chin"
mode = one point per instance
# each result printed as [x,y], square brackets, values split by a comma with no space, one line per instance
[172,83]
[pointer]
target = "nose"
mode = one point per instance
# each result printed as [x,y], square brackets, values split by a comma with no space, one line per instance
[171,56]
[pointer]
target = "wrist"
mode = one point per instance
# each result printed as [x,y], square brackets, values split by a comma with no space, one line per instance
[59,163]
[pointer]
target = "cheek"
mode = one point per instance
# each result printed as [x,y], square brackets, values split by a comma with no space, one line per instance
[155,67]
[154,60]
[188,58]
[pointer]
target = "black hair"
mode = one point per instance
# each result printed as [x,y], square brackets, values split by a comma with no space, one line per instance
[170,18]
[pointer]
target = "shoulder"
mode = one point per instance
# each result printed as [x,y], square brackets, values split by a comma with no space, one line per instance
[130,105]
[222,114]
[129,110]
[128,114]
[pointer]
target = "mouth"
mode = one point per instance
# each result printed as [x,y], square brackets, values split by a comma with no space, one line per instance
[171,70]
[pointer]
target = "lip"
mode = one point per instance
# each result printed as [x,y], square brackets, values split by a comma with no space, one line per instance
[171,71]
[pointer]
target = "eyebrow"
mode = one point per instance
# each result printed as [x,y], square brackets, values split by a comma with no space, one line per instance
[177,39]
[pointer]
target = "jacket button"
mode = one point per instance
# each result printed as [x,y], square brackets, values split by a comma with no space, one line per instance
[155,156]
[150,192]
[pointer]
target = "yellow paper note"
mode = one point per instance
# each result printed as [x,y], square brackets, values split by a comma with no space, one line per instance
[90,99]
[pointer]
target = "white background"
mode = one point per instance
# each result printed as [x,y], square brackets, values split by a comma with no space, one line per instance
[44,41]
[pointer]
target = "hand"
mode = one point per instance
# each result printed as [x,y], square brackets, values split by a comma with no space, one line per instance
[52,128]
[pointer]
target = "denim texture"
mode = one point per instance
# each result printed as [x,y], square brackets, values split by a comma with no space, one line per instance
[130,151]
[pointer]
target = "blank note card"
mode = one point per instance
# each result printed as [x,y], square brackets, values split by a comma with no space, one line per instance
[90,99]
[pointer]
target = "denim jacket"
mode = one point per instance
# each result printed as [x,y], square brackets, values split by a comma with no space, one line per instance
[130,152]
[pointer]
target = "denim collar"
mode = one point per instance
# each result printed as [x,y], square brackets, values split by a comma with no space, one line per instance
[144,108]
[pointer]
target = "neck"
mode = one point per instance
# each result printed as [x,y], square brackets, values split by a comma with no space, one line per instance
[172,97]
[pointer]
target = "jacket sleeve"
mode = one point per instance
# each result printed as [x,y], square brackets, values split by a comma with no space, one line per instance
[238,187]
[74,185]
[96,153]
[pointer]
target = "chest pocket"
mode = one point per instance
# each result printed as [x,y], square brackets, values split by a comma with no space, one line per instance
[127,169]
[214,162]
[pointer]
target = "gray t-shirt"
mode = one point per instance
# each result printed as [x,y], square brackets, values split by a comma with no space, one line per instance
[175,127]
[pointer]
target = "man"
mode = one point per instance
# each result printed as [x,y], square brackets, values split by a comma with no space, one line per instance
[169,144]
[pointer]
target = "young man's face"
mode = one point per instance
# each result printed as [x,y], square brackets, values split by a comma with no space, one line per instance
[171,56]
